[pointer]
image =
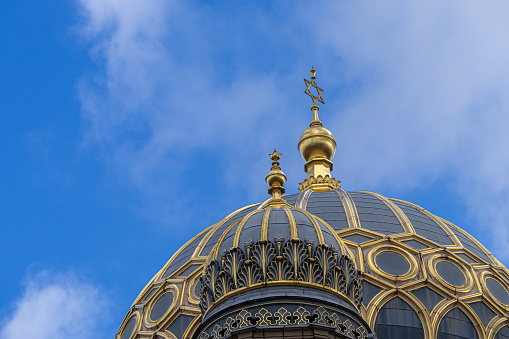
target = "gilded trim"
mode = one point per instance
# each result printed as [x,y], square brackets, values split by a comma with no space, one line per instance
[349,206]
[174,290]
[126,321]
[293,224]
[412,262]
[265,223]
[402,218]
[241,225]
[435,259]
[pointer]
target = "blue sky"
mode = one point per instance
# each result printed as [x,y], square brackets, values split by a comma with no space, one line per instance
[129,126]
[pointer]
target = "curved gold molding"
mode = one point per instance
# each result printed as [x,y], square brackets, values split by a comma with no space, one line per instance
[490,275]
[349,206]
[293,224]
[174,290]
[433,217]
[474,240]
[385,296]
[241,226]
[400,215]
[413,264]
[449,305]
[497,326]
[192,298]
[126,321]
[303,198]
[469,281]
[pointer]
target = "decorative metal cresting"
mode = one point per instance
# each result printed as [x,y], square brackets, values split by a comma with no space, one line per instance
[317,98]
[293,261]
[317,146]
[303,315]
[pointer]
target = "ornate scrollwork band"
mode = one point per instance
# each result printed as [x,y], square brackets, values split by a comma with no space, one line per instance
[301,316]
[292,261]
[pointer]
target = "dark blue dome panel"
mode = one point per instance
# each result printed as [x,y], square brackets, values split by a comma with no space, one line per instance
[374,215]
[219,232]
[183,256]
[470,245]
[328,207]
[424,225]
[279,225]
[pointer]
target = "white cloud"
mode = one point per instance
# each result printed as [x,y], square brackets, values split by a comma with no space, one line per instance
[416,91]
[57,306]
[433,100]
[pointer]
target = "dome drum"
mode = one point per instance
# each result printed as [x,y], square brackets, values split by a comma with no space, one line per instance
[283,308]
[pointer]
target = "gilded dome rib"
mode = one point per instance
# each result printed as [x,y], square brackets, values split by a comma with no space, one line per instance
[342,246]
[403,219]
[241,226]
[221,239]
[216,227]
[265,223]
[303,199]
[471,238]
[437,220]
[351,212]
[315,224]
[291,220]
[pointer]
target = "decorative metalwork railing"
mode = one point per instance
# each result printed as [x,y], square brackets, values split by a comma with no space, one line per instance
[292,261]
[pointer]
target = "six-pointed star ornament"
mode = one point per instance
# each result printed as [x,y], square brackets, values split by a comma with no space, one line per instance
[312,83]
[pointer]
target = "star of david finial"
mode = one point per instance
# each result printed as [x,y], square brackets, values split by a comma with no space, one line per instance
[312,83]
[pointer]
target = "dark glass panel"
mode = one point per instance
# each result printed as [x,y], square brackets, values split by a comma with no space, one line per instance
[450,273]
[179,326]
[483,312]
[392,263]
[498,291]
[128,330]
[456,325]
[161,306]
[357,238]
[427,297]
[397,319]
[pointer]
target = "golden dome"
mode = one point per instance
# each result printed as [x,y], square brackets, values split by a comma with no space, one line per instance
[317,141]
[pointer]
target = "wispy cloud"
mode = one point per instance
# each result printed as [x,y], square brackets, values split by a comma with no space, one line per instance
[432,101]
[416,92]
[56,305]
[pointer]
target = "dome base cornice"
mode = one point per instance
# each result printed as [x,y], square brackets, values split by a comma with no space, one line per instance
[320,183]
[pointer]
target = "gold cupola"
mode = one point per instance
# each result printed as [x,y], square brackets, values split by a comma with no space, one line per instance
[317,147]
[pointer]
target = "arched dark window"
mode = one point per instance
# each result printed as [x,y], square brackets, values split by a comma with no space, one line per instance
[456,325]
[397,319]
[503,333]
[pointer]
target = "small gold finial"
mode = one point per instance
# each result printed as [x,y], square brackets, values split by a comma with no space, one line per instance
[275,156]
[317,98]
[276,178]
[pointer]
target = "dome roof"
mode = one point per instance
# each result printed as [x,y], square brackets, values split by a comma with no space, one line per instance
[277,222]
[325,263]
[435,259]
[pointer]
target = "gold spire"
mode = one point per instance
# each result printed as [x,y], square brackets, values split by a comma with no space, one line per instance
[315,99]
[317,146]
[276,178]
